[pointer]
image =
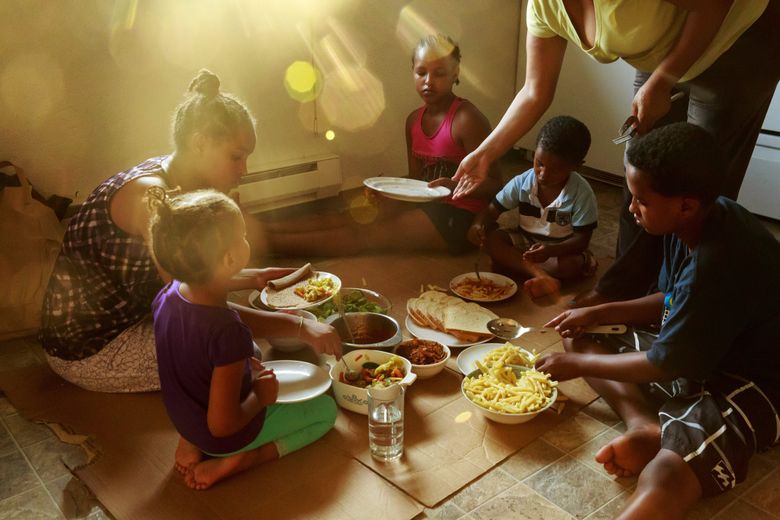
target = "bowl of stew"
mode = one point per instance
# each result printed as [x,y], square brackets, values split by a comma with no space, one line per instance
[428,358]
[366,330]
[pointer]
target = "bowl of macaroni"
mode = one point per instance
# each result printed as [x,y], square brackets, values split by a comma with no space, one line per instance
[509,394]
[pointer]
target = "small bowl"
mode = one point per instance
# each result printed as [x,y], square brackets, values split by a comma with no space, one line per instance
[355,300]
[291,344]
[508,418]
[355,398]
[370,330]
[431,369]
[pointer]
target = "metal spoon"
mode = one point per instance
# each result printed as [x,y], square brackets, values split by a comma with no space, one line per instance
[508,329]
[349,373]
[340,307]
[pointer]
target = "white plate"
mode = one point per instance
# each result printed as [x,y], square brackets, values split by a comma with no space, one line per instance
[298,380]
[256,302]
[435,335]
[467,360]
[304,304]
[403,188]
[496,278]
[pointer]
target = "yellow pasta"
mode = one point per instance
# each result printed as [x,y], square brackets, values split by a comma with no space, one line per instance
[498,388]
[510,355]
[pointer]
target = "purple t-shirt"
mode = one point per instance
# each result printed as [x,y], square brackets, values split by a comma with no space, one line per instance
[191,340]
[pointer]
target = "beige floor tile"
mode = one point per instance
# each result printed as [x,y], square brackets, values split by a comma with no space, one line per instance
[599,409]
[519,503]
[75,500]
[574,487]
[479,492]
[586,454]
[7,444]
[741,510]
[772,457]
[758,469]
[766,494]
[574,432]
[34,504]
[531,459]
[16,475]
[20,359]
[709,507]
[26,432]
[611,508]
[52,458]
[6,408]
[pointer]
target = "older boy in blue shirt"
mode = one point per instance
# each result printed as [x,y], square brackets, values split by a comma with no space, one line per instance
[715,361]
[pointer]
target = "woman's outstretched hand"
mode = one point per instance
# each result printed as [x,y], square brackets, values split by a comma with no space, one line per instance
[322,337]
[472,171]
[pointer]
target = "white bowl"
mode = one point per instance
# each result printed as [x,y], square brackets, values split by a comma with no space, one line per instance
[292,344]
[507,418]
[355,398]
[430,370]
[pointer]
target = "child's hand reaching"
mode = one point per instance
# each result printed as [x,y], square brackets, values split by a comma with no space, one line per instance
[264,383]
[537,253]
[561,366]
[572,323]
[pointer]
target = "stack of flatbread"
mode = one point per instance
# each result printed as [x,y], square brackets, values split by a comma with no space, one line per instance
[439,311]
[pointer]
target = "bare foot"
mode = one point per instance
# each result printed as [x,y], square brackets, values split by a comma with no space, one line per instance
[187,455]
[540,286]
[208,472]
[628,454]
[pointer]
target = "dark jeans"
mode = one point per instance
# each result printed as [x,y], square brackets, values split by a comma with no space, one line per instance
[730,100]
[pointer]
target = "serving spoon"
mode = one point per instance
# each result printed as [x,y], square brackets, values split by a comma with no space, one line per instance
[508,329]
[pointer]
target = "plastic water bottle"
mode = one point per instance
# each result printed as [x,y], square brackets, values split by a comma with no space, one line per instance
[386,422]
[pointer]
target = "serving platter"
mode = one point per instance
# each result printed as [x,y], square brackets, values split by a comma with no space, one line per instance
[509,285]
[298,380]
[405,189]
[268,293]
[435,335]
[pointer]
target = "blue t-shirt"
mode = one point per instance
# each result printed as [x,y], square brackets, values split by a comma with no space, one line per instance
[574,208]
[722,304]
[191,340]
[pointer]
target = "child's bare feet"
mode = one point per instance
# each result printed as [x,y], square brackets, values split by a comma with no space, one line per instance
[540,286]
[187,455]
[628,454]
[204,474]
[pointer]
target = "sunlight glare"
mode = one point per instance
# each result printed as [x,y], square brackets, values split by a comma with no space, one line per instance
[302,81]
[31,85]
[353,98]
[462,417]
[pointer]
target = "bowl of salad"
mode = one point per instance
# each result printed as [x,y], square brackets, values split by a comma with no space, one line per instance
[376,368]
[355,300]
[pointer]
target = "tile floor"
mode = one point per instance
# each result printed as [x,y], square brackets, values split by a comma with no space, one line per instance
[553,477]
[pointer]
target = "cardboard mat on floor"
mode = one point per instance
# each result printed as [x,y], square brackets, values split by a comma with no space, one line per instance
[447,445]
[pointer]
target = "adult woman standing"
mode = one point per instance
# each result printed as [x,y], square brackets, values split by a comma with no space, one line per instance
[724,54]
[97,327]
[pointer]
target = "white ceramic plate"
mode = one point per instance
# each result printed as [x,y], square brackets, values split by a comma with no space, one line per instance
[304,304]
[256,301]
[467,360]
[403,188]
[298,380]
[498,279]
[435,335]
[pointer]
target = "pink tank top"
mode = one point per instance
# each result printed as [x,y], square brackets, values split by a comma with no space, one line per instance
[441,155]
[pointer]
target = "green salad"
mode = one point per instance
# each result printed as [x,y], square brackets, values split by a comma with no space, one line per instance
[354,301]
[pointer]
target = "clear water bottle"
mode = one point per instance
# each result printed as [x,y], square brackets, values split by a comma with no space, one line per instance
[386,422]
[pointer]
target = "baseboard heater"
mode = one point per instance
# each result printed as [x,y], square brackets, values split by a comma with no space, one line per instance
[291,182]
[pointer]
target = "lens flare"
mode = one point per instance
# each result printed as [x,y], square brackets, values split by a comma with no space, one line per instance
[330,135]
[362,211]
[353,99]
[462,417]
[302,81]
[31,85]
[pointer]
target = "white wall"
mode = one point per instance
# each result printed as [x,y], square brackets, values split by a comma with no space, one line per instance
[597,94]
[87,87]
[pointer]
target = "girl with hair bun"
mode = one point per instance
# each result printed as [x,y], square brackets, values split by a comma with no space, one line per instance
[220,398]
[97,324]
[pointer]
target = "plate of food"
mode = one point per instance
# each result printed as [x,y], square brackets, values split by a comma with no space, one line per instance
[490,354]
[488,287]
[301,289]
[406,189]
[436,316]
[298,380]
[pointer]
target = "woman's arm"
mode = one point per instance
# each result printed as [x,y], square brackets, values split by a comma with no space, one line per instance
[544,58]
[130,212]
[704,19]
